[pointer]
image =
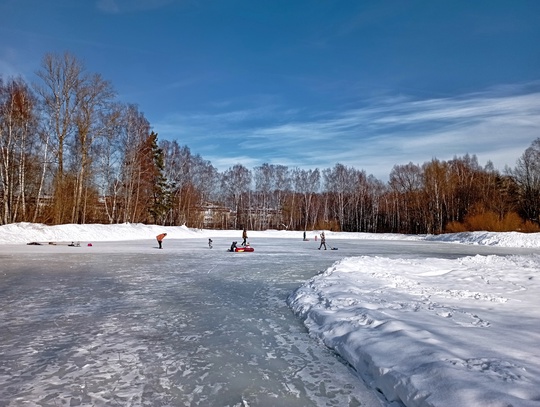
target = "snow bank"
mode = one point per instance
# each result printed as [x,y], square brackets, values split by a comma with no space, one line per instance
[17,233]
[433,332]
[506,239]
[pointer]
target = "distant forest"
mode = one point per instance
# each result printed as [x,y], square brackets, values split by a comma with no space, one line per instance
[71,153]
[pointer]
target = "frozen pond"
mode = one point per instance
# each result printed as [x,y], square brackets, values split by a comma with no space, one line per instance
[123,323]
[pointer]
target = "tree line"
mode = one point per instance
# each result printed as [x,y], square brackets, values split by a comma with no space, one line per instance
[70,152]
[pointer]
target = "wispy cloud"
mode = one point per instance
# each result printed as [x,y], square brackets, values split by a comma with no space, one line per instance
[496,125]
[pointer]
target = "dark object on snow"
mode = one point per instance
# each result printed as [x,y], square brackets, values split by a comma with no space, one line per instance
[233,247]
[210,243]
[34,244]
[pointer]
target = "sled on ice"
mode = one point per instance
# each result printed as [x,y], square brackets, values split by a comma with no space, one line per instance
[235,248]
[244,249]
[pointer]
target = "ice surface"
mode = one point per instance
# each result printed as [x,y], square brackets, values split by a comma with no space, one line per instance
[123,323]
[392,320]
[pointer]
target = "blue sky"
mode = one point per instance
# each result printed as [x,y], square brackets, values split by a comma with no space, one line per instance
[306,83]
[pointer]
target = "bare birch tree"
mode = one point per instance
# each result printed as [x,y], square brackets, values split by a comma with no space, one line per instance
[95,97]
[18,123]
[307,184]
[61,78]
[236,184]
[527,176]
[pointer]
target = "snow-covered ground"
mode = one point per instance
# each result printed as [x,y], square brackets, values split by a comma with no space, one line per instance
[423,330]
[28,232]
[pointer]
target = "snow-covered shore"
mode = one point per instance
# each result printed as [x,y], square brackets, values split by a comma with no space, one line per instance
[17,233]
[433,332]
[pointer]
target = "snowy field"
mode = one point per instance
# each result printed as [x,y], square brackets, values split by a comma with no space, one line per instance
[448,320]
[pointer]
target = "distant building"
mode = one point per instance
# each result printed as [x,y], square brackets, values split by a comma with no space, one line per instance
[216,216]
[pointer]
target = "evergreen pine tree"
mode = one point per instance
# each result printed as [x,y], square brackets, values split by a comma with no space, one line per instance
[161,190]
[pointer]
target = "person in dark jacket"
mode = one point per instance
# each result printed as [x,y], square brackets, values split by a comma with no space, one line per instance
[244,236]
[323,241]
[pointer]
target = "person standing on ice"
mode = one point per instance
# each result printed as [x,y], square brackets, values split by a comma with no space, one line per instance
[160,238]
[323,241]
[244,236]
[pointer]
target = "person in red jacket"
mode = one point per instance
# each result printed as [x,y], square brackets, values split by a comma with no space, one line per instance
[160,238]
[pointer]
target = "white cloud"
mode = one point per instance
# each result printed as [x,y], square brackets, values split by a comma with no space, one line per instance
[496,125]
